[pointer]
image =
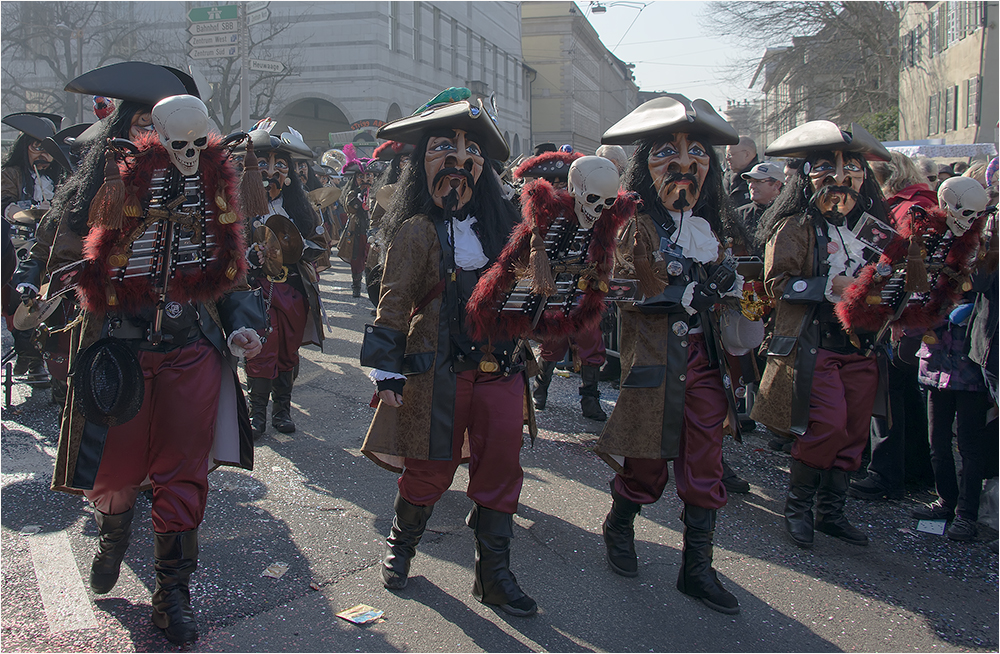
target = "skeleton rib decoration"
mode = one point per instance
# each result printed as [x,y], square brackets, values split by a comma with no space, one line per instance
[552,277]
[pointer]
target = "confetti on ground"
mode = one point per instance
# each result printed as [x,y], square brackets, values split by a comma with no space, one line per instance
[935,527]
[30,529]
[360,614]
[275,570]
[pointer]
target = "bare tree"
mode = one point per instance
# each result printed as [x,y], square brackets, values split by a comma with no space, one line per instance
[265,86]
[836,60]
[47,44]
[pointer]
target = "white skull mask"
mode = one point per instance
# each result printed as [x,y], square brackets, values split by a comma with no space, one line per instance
[181,122]
[963,199]
[593,182]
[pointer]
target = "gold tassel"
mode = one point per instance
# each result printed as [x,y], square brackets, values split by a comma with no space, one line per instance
[107,208]
[111,296]
[488,363]
[132,209]
[252,196]
[916,269]
[541,273]
[648,283]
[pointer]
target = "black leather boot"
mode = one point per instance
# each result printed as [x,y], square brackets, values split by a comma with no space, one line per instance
[830,499]
[29,363]
[258,393]
[590,395]
[494,584]
[176,557]
[541,390]
[356,285]
[619,535]
[281,396]
[115,531]
[732,481]
[407,527]
[802,485]
[697,577]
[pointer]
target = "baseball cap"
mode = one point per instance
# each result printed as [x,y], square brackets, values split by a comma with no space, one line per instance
[766,170]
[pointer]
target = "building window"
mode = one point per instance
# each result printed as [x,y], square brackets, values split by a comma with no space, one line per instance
[468,43]
[972,106]
[394,26]
[454,47]
[932,114]
[437,38]
[416,31]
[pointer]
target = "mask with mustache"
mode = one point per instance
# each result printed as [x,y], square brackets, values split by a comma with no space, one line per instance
[834,203]
[679,167]
[452,164]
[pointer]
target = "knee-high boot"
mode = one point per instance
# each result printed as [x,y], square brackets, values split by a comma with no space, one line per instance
[619,535]
[115,531]
[697,577]
[590,395]
[176,557]
[802,485]
[281,395]
[541,390]
[258,392]
[494,584]
[407,528]
[830,499]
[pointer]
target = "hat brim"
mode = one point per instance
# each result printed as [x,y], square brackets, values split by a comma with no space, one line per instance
[134,81]
[36,125]
[670,114]
[824,135]
[456,115]
[57,146]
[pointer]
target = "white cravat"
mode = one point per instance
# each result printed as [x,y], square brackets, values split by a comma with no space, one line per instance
[695,238]
[469,253]
[276,206]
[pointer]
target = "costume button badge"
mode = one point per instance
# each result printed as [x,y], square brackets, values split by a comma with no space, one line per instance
[173,310]
[680,328]
[832,247]
[800,286]
[883,269]
[674,268]
[682,377]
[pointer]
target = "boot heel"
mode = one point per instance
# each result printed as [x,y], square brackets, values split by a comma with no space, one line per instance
[115,533]
[493,582]
[176,557]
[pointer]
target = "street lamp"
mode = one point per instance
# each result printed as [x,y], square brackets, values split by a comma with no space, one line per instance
[598,7]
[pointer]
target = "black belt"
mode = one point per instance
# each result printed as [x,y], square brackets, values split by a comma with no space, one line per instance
[833,337]
[138,330]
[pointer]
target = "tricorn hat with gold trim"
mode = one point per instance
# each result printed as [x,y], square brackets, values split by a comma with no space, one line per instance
[669,114]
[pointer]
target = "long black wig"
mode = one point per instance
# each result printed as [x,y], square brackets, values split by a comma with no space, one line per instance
[17,157]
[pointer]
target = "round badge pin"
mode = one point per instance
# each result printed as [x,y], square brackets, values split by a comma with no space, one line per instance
[883,269]
[832,247]
[680,328]
[173,310]
[800,286]
[674,268]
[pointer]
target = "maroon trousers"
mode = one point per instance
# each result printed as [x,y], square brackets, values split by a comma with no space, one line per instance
[589,344]
[490,408]
[698,468]
[288,313]
[170,440]
[840,411]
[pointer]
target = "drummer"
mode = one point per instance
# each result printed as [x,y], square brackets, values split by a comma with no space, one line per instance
[28,179]
[285,271]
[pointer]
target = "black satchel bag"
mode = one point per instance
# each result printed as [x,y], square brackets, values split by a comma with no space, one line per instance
[805,290]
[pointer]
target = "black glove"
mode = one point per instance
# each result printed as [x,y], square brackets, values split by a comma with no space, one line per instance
[710,291]
[28,294]
[394,385]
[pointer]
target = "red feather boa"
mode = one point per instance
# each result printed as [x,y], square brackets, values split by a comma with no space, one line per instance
[137,292]
[854,311]
[540,204]
[546,157]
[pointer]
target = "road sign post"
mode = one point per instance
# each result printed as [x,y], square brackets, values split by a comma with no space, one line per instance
[222,52]
[266,66]
[209,14]
[217,27]
[210,40]
[258,16]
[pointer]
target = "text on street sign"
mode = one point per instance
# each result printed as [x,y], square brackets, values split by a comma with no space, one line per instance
[211,53]
[218,27]
[266,66]
[258,16]
[205,14]
[213,39]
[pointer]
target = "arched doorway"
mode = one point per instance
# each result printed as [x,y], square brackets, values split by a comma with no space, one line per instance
[394,113]
[516,152]
[315,119]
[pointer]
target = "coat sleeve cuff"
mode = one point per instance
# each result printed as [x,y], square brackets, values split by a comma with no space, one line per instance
[383,349]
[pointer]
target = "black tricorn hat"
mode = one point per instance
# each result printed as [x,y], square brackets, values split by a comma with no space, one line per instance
[60,144]
[824,135]
[108,384]
[135,81]
[464,114]
[264,141]
[548,165]
[542,148]
[669,114]
[37,125]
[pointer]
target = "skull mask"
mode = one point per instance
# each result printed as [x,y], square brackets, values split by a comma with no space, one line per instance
[593,182]
[963,199]
[181,121]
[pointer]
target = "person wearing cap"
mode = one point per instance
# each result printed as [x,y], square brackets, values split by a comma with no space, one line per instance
[173,333]
[294,309]
[764,181]
[28,179]
[442,397]
[587,347]
[673,405]
[819,384]
[740,158]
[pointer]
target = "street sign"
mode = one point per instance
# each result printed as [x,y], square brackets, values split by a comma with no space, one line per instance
[222,51]
[266,66]
[218,27]
[255,6]
[206,14]
[214,39]
[258,16]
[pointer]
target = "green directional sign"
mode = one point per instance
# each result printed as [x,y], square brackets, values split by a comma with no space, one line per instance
[219,12]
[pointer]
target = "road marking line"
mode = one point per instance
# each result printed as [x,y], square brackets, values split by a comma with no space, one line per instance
[67,606]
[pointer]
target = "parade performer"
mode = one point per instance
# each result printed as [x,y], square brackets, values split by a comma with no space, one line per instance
[444,398]
[291,291]
[674,404]
[820,381]
[396,157]
[153,398]
[587,346]
[358,200]
[28,180]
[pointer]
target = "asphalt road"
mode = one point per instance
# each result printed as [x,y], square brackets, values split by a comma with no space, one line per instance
[315,504]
